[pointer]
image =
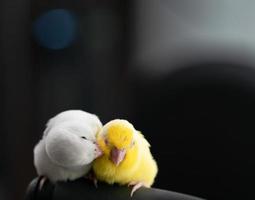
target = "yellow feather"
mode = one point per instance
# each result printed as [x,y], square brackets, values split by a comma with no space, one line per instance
[120,135]
[138,164]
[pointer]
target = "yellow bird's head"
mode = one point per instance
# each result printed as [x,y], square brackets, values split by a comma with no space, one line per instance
[116,140]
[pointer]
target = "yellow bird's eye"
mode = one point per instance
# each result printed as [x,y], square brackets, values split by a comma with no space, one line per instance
[106,141]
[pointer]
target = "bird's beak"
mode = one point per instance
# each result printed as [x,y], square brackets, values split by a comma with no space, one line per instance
[117,155]
[98,151]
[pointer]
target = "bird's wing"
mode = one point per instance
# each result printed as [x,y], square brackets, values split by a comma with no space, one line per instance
[142,139]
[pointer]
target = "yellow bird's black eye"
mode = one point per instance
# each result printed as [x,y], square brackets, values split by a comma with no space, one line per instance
[106,141]
[83,137]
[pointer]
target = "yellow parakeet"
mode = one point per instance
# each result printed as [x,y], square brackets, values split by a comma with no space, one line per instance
[126,159]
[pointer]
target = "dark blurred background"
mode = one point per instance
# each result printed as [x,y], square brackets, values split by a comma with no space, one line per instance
[183,72]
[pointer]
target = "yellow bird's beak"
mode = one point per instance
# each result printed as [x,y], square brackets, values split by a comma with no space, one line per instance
[117,155]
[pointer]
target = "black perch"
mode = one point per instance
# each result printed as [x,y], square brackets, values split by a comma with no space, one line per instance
[83,189]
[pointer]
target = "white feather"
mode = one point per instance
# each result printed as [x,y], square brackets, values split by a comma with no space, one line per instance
[77,115]
[62,154]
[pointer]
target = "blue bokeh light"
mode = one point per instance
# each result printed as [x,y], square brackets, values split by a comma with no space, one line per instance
[55,29]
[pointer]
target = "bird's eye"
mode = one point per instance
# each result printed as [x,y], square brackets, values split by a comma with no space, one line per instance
[83,137]
[106,141]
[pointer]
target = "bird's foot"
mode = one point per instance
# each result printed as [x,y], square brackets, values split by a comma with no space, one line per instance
[42,181]
[136,185]
[91,176]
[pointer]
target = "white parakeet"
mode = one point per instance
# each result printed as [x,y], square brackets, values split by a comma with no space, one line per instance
[68,146]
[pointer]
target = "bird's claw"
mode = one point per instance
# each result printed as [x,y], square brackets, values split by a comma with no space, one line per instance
[92,177]
[95,182]
[42,181]
[136,186]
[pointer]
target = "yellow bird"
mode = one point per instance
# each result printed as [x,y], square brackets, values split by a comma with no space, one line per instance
[126,159]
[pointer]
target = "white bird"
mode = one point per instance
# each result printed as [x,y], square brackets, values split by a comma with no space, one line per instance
[68,146]
[75,115]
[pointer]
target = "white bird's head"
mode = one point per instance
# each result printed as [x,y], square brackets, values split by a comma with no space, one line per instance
[74,115]
[72,144]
